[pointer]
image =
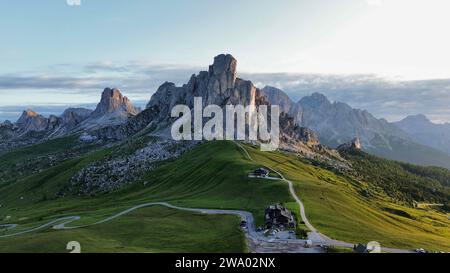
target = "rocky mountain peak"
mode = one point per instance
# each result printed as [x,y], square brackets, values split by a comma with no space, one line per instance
[315,100]
[112,101]
[6,123]
[290,130]
[76,112]
[420,118]
[74,116]
[425,132]
[32,121]
[223,64]
[113,109]
[277,96]
[29,113]
[416,125]
[219,86]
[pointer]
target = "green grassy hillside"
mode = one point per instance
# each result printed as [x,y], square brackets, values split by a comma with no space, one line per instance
[405,183]
[337,207]
[26,161]
[153,229]
[213,175]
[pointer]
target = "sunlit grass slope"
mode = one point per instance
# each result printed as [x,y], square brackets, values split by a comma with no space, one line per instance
[213,175]
[335,205]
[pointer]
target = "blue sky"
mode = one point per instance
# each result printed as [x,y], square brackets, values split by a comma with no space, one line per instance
[53,54]
[48,32]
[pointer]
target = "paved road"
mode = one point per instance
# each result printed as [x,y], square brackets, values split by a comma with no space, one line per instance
[49,224]
[8,226]
[316,237]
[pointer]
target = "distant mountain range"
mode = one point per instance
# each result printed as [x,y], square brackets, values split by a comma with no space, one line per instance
[337,123]
[31,127]
[306,125]
[423,131]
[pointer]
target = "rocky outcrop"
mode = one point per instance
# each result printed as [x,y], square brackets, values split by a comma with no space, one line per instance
[33,128]
[276,96]
[353,144]
[305,142]
[144,121]
[72,117]
[291,131]
[6,123]
[113,109]
[112,101]
[115,118]
[219,85]
[115,172]
[8,131]
[32,121]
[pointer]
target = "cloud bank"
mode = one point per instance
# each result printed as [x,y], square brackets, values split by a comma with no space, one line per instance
[390,99]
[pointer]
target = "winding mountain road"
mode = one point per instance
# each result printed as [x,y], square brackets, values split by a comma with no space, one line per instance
[257,241]
[316,237]
[49,224]
[313,235]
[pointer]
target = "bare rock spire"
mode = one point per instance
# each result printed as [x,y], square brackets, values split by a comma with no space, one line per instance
[113,101]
